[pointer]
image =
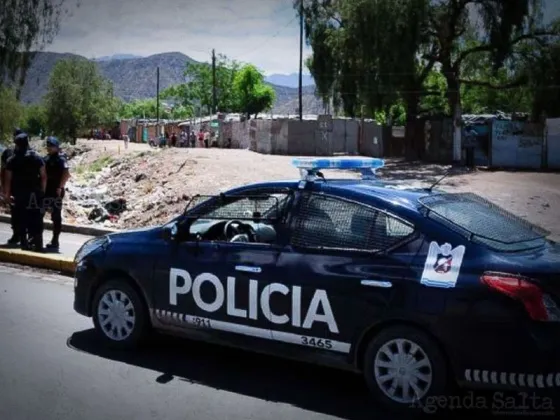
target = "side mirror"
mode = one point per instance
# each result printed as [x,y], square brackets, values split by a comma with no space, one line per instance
[169,233]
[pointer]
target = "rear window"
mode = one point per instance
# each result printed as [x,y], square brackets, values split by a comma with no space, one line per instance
[482,221]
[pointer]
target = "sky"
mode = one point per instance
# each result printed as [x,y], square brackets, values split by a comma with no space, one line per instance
[262,32]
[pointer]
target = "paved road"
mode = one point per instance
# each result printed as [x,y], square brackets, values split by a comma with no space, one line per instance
[52,367]
[69,242]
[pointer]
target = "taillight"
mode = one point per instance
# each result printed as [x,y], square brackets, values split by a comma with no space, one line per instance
[539,305]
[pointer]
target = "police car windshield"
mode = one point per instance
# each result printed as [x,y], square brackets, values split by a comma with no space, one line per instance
[242,207]
[483,222]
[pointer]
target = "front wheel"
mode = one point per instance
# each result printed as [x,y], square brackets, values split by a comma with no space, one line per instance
[403,367]
[119,314]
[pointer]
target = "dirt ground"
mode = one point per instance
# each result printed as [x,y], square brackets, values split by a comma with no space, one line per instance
[157,184]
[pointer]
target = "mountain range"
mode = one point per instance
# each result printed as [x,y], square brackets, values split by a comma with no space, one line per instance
[135,78]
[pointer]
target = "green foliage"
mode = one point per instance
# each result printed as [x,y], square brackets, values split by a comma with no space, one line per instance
[238,89]
[78,99]
[253,95]
[378,54]
[10,113]
[365,51]
[147,108]
[434,100]
[198,92]
[35,120]
[543,72]
[25,25]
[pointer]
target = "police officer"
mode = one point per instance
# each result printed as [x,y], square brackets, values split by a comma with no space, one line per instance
[56,166]
[26,181]
[7,154]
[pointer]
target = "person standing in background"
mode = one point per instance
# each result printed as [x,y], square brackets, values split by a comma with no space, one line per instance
[206,139]
[6,155]
[193,139]
[26,181]
[56,165]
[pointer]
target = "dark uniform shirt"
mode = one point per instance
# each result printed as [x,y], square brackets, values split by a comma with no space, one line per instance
[6,155]
[26,175]
[55,165]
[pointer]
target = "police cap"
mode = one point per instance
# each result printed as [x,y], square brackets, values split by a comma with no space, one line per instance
[22,139]
[52,142]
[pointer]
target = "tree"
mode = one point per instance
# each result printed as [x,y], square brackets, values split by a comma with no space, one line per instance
[35,120]
[366,54]
[253,95]
[147,108]
[198,91]
[78,98]
[26,26]
[10,113]
[497,26]
[374,53]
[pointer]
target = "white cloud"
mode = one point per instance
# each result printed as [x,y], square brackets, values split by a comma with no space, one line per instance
[263,32]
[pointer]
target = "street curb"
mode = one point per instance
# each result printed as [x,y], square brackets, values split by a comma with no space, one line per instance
[60,263]
[78,229]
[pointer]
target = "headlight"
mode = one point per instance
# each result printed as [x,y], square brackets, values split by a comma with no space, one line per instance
[91,246]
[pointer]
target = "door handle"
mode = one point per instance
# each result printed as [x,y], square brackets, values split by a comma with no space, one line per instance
[377,283]
[248,269]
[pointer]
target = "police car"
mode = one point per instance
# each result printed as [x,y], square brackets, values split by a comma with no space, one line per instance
[415,288]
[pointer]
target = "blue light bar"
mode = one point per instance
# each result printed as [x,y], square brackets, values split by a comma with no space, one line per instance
[315,164]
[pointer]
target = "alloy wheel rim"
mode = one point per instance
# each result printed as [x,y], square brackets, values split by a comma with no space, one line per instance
[403,371]
[116,315]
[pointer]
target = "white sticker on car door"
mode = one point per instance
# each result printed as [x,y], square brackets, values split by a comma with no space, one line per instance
[443,265]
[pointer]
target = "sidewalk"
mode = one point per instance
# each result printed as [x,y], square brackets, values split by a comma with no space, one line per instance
[62,261]
[69,242]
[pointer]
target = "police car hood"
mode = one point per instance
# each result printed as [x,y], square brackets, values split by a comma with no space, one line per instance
[136,235]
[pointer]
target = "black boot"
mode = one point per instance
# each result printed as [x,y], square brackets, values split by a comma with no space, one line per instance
[37,245]
[25,245]
[54,244]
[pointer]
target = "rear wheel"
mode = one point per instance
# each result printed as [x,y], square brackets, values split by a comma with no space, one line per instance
[119,314]
[403,366]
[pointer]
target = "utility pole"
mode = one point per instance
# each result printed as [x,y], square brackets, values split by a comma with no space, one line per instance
[157,102]
[300,93]
[214,91]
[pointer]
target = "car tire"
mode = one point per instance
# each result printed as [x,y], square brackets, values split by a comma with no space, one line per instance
[422,365]
[119,315]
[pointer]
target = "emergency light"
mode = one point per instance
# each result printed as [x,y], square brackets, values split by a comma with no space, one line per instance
[338,163]
[309,167]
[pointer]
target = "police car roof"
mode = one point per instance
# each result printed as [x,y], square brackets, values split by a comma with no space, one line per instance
[374,192]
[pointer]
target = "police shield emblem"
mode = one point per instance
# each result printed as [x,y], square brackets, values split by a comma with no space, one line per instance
[442,265]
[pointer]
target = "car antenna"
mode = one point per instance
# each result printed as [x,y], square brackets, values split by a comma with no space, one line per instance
[435,184]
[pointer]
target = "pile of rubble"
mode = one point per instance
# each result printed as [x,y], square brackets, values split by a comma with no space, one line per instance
[125,193]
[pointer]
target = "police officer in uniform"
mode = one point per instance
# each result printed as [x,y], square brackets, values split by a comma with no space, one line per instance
[7,154]
[26,181]
[56,165]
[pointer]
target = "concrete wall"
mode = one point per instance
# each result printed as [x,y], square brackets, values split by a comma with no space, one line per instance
[517,144]
[438,140]
[302,139]
[293,137]
[553,143]
[372,143]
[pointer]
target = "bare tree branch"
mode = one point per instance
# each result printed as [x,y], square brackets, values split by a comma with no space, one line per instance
[521,81]
[487,47]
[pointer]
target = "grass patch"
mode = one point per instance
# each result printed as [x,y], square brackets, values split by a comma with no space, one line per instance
[88,171]
[98,164]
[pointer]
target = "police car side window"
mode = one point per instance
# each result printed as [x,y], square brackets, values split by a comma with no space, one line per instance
[257,217]
[324,222]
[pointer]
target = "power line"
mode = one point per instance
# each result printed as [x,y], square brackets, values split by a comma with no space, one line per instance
[268,39]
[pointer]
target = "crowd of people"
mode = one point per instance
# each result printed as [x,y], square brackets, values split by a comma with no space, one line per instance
[204,138]
[32,185]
